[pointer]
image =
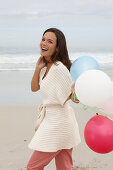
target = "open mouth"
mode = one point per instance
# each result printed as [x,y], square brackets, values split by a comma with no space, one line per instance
[44,49]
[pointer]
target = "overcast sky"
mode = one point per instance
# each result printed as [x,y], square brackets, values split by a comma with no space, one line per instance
[87,24]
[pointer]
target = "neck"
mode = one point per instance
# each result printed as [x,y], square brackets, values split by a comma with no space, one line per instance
[48,66]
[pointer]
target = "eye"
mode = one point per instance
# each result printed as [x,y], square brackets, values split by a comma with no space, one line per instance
[50,42]
[43,39]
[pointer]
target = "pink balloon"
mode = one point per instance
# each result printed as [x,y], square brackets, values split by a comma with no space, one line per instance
[98,134]
[107,107]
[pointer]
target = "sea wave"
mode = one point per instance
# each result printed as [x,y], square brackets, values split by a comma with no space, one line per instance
[16,69]
[102,58]
[27,62]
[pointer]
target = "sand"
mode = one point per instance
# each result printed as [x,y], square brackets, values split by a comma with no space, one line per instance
[17,129]
[18,106]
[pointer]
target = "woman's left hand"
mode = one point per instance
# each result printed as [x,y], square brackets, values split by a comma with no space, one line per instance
[73,95]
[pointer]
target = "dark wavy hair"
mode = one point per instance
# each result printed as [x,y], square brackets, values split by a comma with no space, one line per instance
[62,53]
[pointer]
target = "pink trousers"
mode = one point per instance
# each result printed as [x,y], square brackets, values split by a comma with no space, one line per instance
[63,160]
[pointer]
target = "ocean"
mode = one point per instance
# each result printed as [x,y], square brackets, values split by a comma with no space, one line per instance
[26,61]
[16,71]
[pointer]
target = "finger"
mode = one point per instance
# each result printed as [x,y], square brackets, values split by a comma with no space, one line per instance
[41,56]
[74,96]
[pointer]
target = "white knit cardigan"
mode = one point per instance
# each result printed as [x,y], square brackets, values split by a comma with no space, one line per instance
[59,128]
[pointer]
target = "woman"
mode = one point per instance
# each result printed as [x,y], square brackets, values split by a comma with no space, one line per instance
[58,133]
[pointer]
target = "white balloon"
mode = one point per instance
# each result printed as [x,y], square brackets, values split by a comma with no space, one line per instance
[112,88]
[93,87]
[107,107]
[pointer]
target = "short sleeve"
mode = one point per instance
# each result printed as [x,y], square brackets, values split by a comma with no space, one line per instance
[63,82]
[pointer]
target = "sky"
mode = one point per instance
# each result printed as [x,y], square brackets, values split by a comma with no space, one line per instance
[87,24]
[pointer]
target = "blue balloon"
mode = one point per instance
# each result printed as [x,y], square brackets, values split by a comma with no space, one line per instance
[82,64]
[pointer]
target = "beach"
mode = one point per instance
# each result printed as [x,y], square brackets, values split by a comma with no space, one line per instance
[17,129]
[87,28]
[18,112]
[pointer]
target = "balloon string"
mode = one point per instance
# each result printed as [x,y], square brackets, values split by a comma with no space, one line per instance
[74,94]
[93,108]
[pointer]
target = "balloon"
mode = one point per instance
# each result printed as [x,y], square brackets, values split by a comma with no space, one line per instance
[107,107]
[83,64]
[93,87]
[112,88]
[98,134]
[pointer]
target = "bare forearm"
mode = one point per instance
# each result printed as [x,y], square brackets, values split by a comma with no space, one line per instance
[35,80]
[68,98]
[73,96]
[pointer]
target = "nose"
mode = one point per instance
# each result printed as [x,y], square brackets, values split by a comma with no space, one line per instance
[44,43]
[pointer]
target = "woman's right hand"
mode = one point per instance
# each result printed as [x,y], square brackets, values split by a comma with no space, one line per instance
[73,95]
[40,63]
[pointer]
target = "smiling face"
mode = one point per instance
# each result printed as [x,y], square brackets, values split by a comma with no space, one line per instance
[48,45]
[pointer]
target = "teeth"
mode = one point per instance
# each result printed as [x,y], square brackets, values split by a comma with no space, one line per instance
[44,48]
